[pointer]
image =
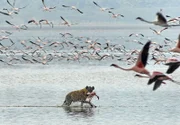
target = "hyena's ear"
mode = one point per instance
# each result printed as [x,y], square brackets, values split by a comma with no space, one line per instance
[93,87]
[87,87]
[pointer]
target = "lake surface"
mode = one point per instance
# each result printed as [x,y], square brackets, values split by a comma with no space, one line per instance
[31,94]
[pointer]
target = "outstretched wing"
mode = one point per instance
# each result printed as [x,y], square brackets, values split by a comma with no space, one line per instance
[4,13]
[43,3]
[157,84]
[111,12]
[79,11]
[155,78]
[63,19]
[161,18]
[10,3]
[9,23]
[52,7]
[65,6]
[172,67]
[30,21]
[96,4]
[153,30]
[42,20]
[164,29]
[143,55]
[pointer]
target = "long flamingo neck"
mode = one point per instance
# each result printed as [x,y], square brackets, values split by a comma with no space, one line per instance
[124,68]
[146,21]
[116,66]
[175,50]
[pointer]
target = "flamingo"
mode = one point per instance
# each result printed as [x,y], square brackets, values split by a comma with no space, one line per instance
[140,34]
[141,62]
[65,22]
[158,78]
[18,27]
[177,48]
[158,32]
[173,64]
[33,21]
[174,20]
[7,32]
[102,8]
[45,8]
[15,8]
[73,8]
[161,20]
[66,34]
[115,15]
[9,13]
[3,37]
[90,96]
[46,22]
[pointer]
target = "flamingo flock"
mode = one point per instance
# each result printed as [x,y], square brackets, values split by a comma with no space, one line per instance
[71,48]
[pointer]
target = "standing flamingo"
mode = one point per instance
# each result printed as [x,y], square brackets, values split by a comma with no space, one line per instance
[141,62]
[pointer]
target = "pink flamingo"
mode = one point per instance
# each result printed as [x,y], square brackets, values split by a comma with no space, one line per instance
[158,78]
[173,64]
[45,8]
[91,95]
[141,62]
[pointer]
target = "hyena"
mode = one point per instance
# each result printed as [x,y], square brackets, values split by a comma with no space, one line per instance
[79,96]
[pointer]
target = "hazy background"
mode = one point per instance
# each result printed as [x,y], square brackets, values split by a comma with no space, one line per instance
[92,15]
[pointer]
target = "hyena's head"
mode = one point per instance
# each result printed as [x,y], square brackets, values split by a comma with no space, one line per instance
[90,88]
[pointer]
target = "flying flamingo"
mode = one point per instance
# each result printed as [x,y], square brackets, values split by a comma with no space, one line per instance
[158,32]
[161,20]
[141,62]
[9,13]
[173,64]
[45,22]
[102,8]
[158,78]
[73,8]
[133,34]
[15,8]
[65,22]
[174,20]
[115,15]
[45,8]
[33,21]
[18,27]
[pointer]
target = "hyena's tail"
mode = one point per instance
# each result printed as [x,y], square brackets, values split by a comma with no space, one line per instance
[64,103]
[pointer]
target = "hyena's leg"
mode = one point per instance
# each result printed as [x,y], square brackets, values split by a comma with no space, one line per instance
[92,105]
[68,100]
[82,104]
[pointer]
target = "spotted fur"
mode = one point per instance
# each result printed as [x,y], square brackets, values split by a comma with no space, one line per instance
[78,96]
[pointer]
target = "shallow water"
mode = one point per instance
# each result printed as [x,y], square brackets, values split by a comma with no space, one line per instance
[124,99]
[32,94]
